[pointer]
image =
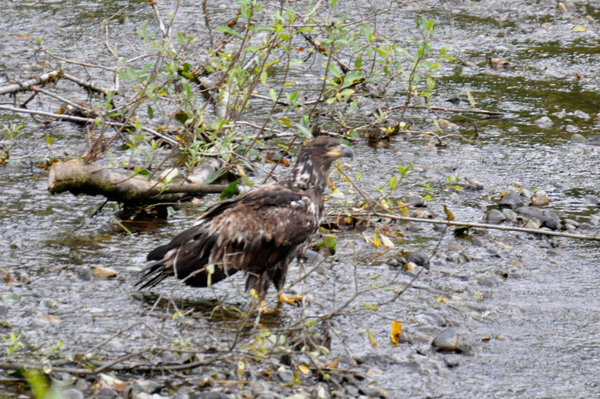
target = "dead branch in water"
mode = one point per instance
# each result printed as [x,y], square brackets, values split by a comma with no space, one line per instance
[77,178]
[17,87]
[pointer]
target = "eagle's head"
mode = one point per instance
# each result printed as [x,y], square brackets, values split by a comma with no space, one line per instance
[326,150]
[315,161]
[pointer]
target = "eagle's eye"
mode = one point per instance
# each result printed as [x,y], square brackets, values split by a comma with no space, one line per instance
[328,145]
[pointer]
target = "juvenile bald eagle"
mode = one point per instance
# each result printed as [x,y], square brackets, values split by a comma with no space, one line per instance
[259,232]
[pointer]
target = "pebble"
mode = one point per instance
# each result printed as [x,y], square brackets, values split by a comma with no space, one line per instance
[447,340]
[495,217]
[544,122]
[447,126]
[71,394]
[512,200]
[211,395]
[510,215]
[373,392]
[571,222]
[571,128]
[488,282]
[3,310]
[578,138]
[419,259]
[103,272]
[540,198]
[476,241]
[85,274]
[533,224]
[499,64]
[287,376]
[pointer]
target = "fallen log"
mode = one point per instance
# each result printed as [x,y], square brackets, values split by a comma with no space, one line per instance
[78,178]
[17,87]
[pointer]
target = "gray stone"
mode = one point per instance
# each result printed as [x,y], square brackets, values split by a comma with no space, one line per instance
[571,128]
[351,391]
[578,138]
[287,376]
[510,215]
[211,395]
[419,259]
[495,217]
[592,199]
[533,223]
[323,391]
[488,282]
[527,193]
[544,122]
[3,310]
[545,217]
[476,241]
[512,200]
[85,274]
[72,393]
[106,393]
[373,392]
[571,222]
[447,340]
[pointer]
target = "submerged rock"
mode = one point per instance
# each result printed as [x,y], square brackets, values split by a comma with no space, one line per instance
[512,200]
[546,217]
[495,217]
[447,340]
[544,122]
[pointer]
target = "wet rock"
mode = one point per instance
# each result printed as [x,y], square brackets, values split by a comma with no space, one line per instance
[571,222]
[211,395]
[103,272]
[499,64]
[464,347]
[578,138]
[488,282]
[107,393]
[446,341]
[476,241]
[413,200]
[3,310]
[373,392]
[595,220]
[512,200]
[419,259]
[71,394]
[455,257]
[571,129]
[510,215]
[85,274]
[323,391]
[351,391]
[495,217]
[433,318]
[374,373]
[544,122]
[405,338]
[533,224]
[447,126]
[540,198]
[546,217]
[580,114]
[204,381]
[471,185]
[527,193]
[286,375]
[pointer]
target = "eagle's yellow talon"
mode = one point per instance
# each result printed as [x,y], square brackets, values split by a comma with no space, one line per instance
[264,309]
[290,300]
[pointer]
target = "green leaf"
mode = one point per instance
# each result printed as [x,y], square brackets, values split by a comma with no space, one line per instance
[150,112]
[369,306]
[330,242]
[49,140]
[263,77]
[227,29]
[358,62]
[273,95]
[334,71]
[229,192]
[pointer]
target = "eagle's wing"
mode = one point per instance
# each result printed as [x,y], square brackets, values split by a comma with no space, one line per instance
[252,233]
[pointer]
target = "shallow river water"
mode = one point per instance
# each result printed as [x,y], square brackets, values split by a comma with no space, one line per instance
[528,306]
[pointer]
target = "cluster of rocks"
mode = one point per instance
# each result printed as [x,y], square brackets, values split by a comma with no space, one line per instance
[522,204]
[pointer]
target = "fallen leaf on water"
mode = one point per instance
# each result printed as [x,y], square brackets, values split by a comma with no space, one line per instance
[304,369]
[50,319]
[103,272]
[579,28]
[376,241]
[387,242]
[333,364]
[441,299]
[22,36]
[396,330]
[503,245]
[372,339]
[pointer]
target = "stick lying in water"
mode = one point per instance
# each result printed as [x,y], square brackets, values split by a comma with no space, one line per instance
[16,87]
[480,225]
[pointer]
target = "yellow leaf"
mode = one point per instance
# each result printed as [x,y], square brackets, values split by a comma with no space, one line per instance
[254,294]
[387,242]
[503,245]
[440,299]
[372,339]
[169,175]
[337,193]
[304,369]
[579,28]
[449,213]
[403,209]
[371,307]
[396,330]
[376,241]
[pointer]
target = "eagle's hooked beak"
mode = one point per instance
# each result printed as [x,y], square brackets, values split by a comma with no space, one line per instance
[341,150]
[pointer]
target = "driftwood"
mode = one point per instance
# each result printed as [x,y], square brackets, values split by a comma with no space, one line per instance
[17,87]
[77,178]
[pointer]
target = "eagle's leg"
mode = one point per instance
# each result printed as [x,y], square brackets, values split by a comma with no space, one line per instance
[260,286]
[279,281]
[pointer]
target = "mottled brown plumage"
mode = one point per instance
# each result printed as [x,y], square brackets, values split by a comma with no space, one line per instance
[259,232]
